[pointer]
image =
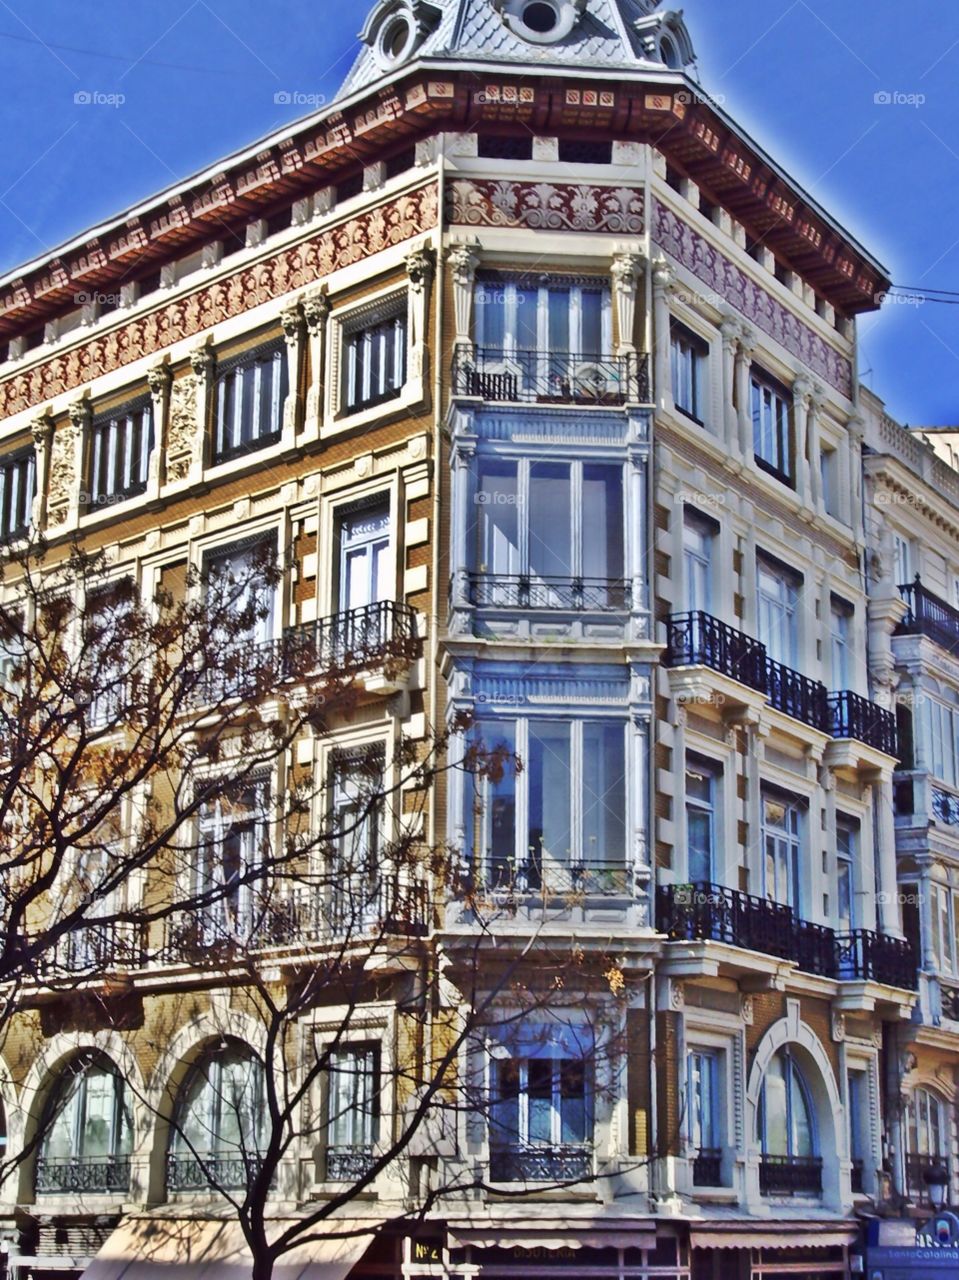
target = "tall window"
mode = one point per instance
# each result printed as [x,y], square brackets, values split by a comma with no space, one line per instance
[777,591]
[840,628]
[772,439]
[829,480]
[573,788]
[18,486]
[358,879]
[88,1132]
[782,847]
[700,820]
[847,848]
[689,356]
[364,569]
[528,522]
[120,447]
[699,537]
[374,363]
[927,1139]
[786,1114]
[241,598]
[353,1111]
[704,1114]
[233,839]
[858,1116]
[248,397]
[527,314]
[903,553]
[945,920]
[107,639]
[218,1124]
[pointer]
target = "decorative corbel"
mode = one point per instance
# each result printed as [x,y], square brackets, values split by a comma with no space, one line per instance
[291,320]
[316,313]
[463,259]
[160,382]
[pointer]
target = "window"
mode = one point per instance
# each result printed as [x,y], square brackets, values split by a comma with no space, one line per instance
[701,782]
[249,394]
[527,524]
[847,848]
[353,1111]
[233,839]
[829,480]
[945,919]
[573,787]
[364,570]
[699,536]
[703,1115]
[374,363]
[689,356]
[927,1140]
[120,447]
[903,553]
[215,1138]
[787,1131]
[87,1133]
[942,740]
[495,146]
[18,485]
[782,848]
[840,628]
[241,597]
[109,629]
[557,317]
[358,879]
[858,1114]
[777,591]
[772,443]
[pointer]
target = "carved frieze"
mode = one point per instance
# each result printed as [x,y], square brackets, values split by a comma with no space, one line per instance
[63,478]
[182,430]
[545,206]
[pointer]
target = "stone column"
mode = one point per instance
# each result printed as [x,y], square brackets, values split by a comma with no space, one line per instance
[730,335]
[316,313]
[463,259]
[203,363]
[419,271]
[747,345]
[41,428]
[662,283]
[817,497]
[291,318]
[802,393]
[160,379]
[886,849]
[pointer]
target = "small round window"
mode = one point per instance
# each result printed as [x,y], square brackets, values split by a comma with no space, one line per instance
[395,38]
[540,17]
[667,51]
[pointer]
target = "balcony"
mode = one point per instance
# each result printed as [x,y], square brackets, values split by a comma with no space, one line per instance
[708,1167]
[945,807]
[497,375]
[348,1164]
[706,912]
[205,1170]
[566,595]
[917,1168]
[530,1163]
[546,877]
[790,1175]
[92,949]
[698,639]
[75,1175]
[930,616]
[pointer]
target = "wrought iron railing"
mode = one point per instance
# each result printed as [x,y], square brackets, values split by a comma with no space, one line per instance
[550,377]
[853,716]
[917,1167]
[348,1164]
[76,1174]
[711,912]
[708,1167]
[542,875]
[573,595]
[185,1172]
[790,1175]
[796,695]
[699,639]
[531,1163]
[95,948]
[949,996]
[928,615]
[945,807]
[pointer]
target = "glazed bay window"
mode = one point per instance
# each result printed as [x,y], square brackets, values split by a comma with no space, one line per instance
[249,393]
[942,740]
[704,1115]
[772,433]
[18,486]
[353,1111]
[541,1117]
[120,445]
[242,603]
[374,361]
[559,824]
[689,357]
[558,317]
[218,1127]
[548,535]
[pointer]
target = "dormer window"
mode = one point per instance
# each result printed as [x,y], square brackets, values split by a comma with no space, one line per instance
[541,21]
[396,28]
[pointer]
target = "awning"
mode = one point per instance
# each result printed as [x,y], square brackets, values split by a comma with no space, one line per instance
[541,1236]
[790,1235]
[165,1248]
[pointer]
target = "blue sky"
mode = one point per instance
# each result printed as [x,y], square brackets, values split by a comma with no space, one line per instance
[200,78]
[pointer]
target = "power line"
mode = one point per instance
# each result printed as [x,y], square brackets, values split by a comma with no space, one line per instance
[117,57]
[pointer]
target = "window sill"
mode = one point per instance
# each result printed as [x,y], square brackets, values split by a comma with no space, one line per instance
[690,417]
[340,422]
[770,470]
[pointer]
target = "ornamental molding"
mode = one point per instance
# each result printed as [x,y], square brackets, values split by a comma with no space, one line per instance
[546,206]
[509,694]
[749,299]
[391,223]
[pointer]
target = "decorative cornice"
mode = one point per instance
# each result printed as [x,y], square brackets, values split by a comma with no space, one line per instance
[370,232]
[545,206]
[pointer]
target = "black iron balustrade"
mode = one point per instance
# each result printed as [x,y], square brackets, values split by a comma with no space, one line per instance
[853,716]
[352,640]
[708,1167]
[205,1170]
[550,377]
[699,639]
[525,591]
[949,996]
[348,1164]
[945,807]
[928,615]
[917,1166]
[531,1163]
[57,1175]
[543,876]
[796,695]
[877,957]
[790,1175]
[704,912]
[95,948]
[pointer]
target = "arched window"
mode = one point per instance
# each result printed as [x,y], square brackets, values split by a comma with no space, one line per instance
[87,1131]
[927,1142]
[218,1122]
[790,1164]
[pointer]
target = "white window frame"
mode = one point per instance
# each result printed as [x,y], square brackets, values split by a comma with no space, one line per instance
[773,444]
[121,442]
[689,369]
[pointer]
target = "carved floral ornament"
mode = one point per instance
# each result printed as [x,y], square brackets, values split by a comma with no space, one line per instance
[547,206]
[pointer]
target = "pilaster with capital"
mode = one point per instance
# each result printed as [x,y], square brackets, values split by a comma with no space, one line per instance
[291,320]
[854,434]
[816,397]
[160,382]
[316,315]
[729,329]
[203,364]
[802,401]
[419,272]
[662,285]
[462,260]
[744,363]
[41,429]
[67,466]
[625,275]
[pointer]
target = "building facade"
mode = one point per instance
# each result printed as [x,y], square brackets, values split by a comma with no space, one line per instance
[524,352]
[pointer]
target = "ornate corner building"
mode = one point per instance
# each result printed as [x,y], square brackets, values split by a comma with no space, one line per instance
[552,373]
